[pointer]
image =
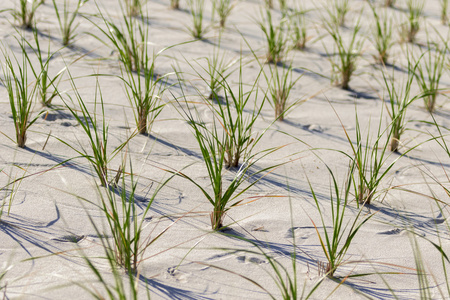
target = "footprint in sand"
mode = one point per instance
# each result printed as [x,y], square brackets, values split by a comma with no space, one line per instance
[254,260]
[300,233]
[392,231]
[70,238]
[177,275]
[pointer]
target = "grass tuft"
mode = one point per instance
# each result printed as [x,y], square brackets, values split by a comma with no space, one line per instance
[347,54]
[335,243]
[276,35]
[198,29]
[129,40]
[429,70]
[411,27]
[298,27]
[96,131]
[214,143]
[21,92]
[399,101]
[25,14]
[47,84]
[66,20]
[382,34]
[280,84]
[144,91]
[223,9]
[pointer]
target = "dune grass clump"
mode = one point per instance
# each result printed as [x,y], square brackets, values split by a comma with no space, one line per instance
[127,225]
[25,14]
[21,92]
[144,90]
[66,20]
[276,35]
[127,247]
[174,4]
[234,112]
[411,27]
[97,154]
[130,39]
[280,84]
[214,141]
[198,28]
[343,63]
[382,34]
[143,86]
[399,101]
[133,7]
[389,3]
[336,241]
[223,9]
[429,71]
[47,84]
[218,69]
[370,162]
[239,138]
[337,11]
[298,27]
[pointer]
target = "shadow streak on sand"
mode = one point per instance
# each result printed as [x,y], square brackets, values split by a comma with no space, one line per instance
[279,181]
[156,287]
[63,162]
[22,230]
[406,220]
[174,147]
[380,293]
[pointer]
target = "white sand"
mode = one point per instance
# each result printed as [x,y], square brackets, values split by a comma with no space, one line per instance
[47,206]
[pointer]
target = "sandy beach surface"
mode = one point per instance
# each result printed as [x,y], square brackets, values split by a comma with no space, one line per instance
[54,234]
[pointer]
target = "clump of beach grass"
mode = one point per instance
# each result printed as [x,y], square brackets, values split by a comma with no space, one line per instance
[370,162]
[129,40]
[444,10]
[411,27]
[298,25]
[276,35]
[223,9]
[218,69]
[174,4]
[399,101]
[344,62]
[280,83]
[214,141]
[337,11]
[144,90]
[429,71]
[382,34]
[133,7]
[21,92]
[235,113]
[66,20]
[336,242]
[198,29]
[25,14]
[389,3]
[47,84]
[97,154]
[126,224]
